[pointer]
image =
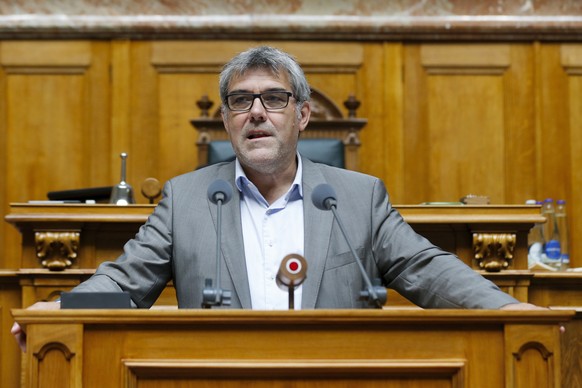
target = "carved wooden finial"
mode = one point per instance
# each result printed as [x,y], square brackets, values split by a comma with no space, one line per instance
[151,189]
[204,104]
[352,104]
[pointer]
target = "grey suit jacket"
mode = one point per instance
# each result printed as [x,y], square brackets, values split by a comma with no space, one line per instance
[178,242]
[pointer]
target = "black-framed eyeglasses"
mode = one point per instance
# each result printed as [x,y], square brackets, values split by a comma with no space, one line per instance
[242,102]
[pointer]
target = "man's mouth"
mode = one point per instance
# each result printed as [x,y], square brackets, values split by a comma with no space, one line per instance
[257,135]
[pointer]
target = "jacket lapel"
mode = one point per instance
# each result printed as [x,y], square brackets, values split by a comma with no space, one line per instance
[317,233]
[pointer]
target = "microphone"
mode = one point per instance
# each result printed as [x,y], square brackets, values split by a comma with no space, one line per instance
[292,271]
[324,198]
[219,192]
[291,274]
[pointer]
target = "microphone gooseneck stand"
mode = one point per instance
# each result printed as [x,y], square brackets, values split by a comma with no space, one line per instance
[219,193]
[324,198]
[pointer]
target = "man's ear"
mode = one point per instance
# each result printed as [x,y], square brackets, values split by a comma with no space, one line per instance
[305,115]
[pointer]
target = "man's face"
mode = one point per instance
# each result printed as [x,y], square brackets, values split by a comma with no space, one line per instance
[265,141]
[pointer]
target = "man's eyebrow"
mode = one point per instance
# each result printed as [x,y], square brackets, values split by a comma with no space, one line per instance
[238,91]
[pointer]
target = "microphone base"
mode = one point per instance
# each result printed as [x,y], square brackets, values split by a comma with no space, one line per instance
[377,290]
[215,296]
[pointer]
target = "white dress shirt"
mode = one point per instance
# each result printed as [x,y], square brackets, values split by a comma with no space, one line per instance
[270,233]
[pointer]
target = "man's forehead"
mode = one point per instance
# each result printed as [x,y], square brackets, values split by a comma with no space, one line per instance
[280,76]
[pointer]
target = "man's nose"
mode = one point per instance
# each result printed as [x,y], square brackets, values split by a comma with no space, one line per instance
[258,111]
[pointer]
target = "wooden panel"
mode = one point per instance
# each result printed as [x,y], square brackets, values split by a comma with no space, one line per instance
[463,155]
[56,122]
[58,363]
[296,373]
[466,58]
[572,62]
[559,145]
[556,289]
[467,122]
[529,359]
[121,103]
[37,57]
[379,88]
[386,123]
[572,352]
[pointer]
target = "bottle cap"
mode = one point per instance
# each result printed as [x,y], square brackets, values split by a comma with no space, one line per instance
[561,201]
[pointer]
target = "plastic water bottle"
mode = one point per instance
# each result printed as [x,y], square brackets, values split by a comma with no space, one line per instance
[551,235]
[535,240]
[562,224]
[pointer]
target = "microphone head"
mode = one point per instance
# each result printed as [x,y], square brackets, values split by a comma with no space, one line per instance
[219,190]
[292,271]
[323,197]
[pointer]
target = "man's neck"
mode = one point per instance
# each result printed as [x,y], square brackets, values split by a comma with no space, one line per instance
[273,185]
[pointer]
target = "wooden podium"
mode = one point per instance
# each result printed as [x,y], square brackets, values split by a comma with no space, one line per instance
[322,348]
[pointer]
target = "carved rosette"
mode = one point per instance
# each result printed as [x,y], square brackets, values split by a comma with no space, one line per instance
[56,250]
[494,251]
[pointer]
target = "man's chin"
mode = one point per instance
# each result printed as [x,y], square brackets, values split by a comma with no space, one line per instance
[265,162]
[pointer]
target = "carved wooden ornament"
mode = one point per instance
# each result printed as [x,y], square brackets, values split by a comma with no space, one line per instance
[56,249]
[494,251]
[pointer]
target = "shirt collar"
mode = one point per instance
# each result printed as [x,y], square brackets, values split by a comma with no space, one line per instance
[243,183]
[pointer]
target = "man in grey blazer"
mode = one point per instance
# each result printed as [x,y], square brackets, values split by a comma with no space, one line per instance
[169,246]
[265,108]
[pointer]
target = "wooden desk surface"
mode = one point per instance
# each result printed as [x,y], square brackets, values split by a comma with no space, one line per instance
[414,214]
[384,316]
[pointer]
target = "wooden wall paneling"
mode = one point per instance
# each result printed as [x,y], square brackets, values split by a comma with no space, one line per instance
[143,147]
[97,116]
[373,88]
[458,103]
[4,209]
[571,58]
[519,125]
[389,119]
[415,121]
[56,121]
[121,101]
[465,122]
[558,104]
[554,123]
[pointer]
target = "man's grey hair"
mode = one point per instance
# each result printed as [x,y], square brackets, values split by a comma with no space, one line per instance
[265,57]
